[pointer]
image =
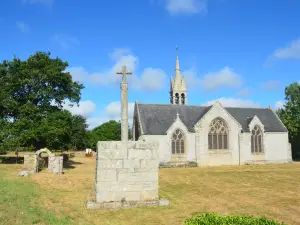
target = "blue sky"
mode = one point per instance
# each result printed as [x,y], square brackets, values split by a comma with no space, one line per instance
[240,52]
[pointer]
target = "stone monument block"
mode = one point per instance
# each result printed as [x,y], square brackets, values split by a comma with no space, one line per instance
[31,163]
[122,177]
[55,164]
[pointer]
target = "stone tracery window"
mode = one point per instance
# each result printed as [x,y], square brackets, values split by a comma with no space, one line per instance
[178,142]
[256,140]
[218,134]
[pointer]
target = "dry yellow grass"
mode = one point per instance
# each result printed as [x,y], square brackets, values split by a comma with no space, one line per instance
[265,190]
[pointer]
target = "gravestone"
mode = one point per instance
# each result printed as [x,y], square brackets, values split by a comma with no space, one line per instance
[55,164]
[30,163]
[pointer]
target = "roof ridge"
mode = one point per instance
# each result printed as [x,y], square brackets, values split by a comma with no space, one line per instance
[173,104]
[231,107]
[226,107]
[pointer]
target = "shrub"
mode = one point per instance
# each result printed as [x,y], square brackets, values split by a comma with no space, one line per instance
[215,219]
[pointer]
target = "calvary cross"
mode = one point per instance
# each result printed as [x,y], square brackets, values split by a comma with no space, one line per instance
[124,72]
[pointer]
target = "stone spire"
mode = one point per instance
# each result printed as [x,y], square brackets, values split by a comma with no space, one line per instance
[177,69]
[178,86]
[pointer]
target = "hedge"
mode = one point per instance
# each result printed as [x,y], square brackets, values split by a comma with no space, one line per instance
[216,219]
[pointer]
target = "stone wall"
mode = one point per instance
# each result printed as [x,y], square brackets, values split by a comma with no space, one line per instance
[55,164]
[31,163]
[126,173]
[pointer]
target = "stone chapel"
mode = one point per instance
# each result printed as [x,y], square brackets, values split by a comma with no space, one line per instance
[210,135]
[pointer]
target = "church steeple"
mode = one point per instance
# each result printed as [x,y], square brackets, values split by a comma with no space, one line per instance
[178,86]
[177,69]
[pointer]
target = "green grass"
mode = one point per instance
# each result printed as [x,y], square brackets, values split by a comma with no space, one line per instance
[270,191]
[20,203]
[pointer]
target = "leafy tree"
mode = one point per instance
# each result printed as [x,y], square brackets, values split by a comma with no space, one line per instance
[32,93]
[290,116]
[109,131]
[78,132]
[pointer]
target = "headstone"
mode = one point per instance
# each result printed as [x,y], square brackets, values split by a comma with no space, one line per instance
[55,164]
[31,162]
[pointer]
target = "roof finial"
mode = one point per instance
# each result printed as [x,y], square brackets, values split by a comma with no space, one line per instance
[177,114]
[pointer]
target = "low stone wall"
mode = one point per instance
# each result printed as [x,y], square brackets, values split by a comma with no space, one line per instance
[178,164]
[55,164]
[126,174]
[30,162]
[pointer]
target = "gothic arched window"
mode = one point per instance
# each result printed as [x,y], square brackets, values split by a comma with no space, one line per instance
[176,98]
[182,99]
[256,140]
[218,134]
[178,142]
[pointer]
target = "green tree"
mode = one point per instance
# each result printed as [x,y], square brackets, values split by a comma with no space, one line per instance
[78,132]
[109,131]
[32,93]
[290,116]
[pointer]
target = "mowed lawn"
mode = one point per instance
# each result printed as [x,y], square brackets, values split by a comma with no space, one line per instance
[265,190]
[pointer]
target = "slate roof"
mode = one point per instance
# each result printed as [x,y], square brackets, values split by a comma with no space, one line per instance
[157,118]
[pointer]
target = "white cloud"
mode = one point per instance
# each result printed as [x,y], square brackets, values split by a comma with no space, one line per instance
[244,92]
[110,112]
[191,79]
[271,85]
[87,108]
[186,6]
[279,104]
[84,108]
[292,51]
[23,26]
[48,3]
[234,102]
[226,77]
[78,73]
[65,41]
[109,76]
[150,78]
[119,52]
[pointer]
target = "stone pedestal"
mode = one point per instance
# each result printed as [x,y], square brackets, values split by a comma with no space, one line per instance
[126,176]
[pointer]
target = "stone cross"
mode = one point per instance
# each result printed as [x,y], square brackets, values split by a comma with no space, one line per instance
[124,105]
[124,72]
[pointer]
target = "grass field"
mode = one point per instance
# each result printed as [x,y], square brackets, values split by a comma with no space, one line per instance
[267,190]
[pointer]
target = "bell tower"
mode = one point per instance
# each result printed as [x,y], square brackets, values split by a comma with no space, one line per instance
[178,92]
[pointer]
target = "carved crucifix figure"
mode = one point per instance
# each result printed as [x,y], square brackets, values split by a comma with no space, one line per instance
[124,104]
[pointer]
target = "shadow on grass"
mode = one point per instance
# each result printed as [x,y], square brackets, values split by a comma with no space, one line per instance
[11,160]
[70,164]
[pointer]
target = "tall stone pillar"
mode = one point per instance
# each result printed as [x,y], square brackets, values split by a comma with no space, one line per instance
[124,105]
[124,112]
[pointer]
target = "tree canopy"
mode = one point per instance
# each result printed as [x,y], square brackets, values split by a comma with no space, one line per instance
[32,93]
[290,116]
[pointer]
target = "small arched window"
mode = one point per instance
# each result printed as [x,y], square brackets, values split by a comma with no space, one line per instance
[178,142]
[218,134]
[176,98]
[256,140]
[182,99]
